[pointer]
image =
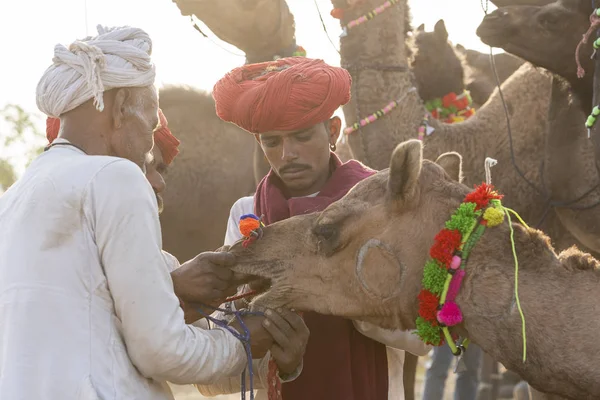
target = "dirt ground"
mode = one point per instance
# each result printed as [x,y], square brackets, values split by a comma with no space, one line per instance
[190,393]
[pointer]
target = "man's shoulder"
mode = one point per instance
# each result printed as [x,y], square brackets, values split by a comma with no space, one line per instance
[244,205]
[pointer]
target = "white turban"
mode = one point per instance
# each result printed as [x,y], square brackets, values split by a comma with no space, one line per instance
[116,58]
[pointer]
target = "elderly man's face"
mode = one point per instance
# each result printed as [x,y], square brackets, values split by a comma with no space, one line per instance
[154,170]
[135,113]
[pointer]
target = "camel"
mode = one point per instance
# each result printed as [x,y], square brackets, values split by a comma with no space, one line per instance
[363,258]
[531,32]
[436,67]
[479,75]
[374,51]
[545,35]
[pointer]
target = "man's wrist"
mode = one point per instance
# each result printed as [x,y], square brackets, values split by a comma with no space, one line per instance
[283,377]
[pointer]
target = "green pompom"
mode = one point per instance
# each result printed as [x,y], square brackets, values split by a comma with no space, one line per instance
[428,333]
[434,277]
[463,218]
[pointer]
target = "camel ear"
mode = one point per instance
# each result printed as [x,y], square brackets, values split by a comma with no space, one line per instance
[405,169]
[421,28]
[452,164]
[460,48]
[440,30]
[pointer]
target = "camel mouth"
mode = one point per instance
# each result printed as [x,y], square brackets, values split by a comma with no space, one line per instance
[494,30]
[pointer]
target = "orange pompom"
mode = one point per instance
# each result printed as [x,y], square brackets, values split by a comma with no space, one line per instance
[337,13]
[248,224]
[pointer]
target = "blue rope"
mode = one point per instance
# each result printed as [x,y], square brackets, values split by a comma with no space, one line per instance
[242,337]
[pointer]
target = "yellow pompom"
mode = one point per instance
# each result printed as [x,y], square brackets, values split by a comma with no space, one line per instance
[494,216]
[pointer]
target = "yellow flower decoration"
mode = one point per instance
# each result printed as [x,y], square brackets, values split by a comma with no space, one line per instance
[493,216]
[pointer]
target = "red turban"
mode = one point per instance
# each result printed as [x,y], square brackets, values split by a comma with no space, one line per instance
[287,94]
[164,139]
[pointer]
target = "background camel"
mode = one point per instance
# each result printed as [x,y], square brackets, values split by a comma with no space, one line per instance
[485,134]
[548,36]
[480,80]
[312,263]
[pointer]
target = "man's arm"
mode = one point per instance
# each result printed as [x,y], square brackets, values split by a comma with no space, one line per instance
[127,232]
[397,339]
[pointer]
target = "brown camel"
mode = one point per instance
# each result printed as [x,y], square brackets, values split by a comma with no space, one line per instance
[436,67]
[363,258]
[546,36]
[215,166]
[479,75]
[374,52]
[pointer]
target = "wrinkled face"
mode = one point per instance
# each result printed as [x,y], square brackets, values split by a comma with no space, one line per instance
[135,116]
[363,256]
[545,36]
[301,158]
[155,169]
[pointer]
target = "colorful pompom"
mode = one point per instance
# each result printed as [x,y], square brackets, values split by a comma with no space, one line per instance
[248,224]
[446,243]
[450,314]
[463,218]
[494,216]
[455,263]
[482,195]
[434,277]
[337,13]
[428,303]
[430,334]
[455,284]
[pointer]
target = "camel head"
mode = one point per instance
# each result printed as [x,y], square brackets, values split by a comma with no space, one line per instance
[436,67]
[260,28]
[363,256]
[545,35]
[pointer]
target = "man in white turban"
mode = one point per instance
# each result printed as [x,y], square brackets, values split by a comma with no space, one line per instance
[88,308]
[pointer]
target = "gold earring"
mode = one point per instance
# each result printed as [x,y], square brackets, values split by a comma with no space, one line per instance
[333,146]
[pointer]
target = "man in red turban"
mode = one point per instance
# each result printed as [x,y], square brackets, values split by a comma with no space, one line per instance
[164,140]
[288,104]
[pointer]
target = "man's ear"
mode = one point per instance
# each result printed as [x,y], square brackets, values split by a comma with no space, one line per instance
[122,96]
[335,127]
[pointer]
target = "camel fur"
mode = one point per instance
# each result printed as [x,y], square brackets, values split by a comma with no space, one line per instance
[363,257]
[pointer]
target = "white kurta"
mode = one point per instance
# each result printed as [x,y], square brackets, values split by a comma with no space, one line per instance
[87,309]
[396,341]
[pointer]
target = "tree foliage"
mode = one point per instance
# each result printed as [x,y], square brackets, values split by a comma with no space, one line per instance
[19,134]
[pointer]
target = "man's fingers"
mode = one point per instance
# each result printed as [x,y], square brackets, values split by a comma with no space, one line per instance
[279,336]
[223,259]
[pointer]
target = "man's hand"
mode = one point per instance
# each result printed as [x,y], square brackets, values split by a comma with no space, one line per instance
[260,339]
[205,279]
[290,334]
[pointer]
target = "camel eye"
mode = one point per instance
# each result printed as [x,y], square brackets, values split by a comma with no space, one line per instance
[325,232]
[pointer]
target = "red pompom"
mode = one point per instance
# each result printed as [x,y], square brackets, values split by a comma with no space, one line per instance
[446,243]
[428,303]
[482,196]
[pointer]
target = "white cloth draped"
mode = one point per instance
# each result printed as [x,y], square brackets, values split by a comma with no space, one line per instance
[117,57]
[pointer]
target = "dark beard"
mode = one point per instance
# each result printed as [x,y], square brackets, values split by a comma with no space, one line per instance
[160,202]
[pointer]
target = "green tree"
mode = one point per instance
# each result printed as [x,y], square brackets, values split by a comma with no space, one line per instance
[19,134]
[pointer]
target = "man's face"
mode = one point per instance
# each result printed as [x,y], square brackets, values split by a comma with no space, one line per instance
[136,118]
[301,158]
[154,170]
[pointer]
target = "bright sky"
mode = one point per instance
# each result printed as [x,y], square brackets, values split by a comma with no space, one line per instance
[30,29]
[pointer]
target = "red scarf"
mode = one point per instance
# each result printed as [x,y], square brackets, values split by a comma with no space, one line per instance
[340,363]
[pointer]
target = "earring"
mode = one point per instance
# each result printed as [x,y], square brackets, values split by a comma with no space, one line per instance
[333,146]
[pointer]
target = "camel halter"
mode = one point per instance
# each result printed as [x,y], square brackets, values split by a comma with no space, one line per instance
[445,270]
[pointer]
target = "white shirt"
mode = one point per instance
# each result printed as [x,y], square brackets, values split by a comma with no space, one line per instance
[396,341]
[87,309]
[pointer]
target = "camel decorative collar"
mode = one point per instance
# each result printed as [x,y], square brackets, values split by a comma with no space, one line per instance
[445,270]
[338,13]
[451,108]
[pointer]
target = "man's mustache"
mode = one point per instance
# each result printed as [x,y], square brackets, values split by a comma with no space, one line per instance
[293,166]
